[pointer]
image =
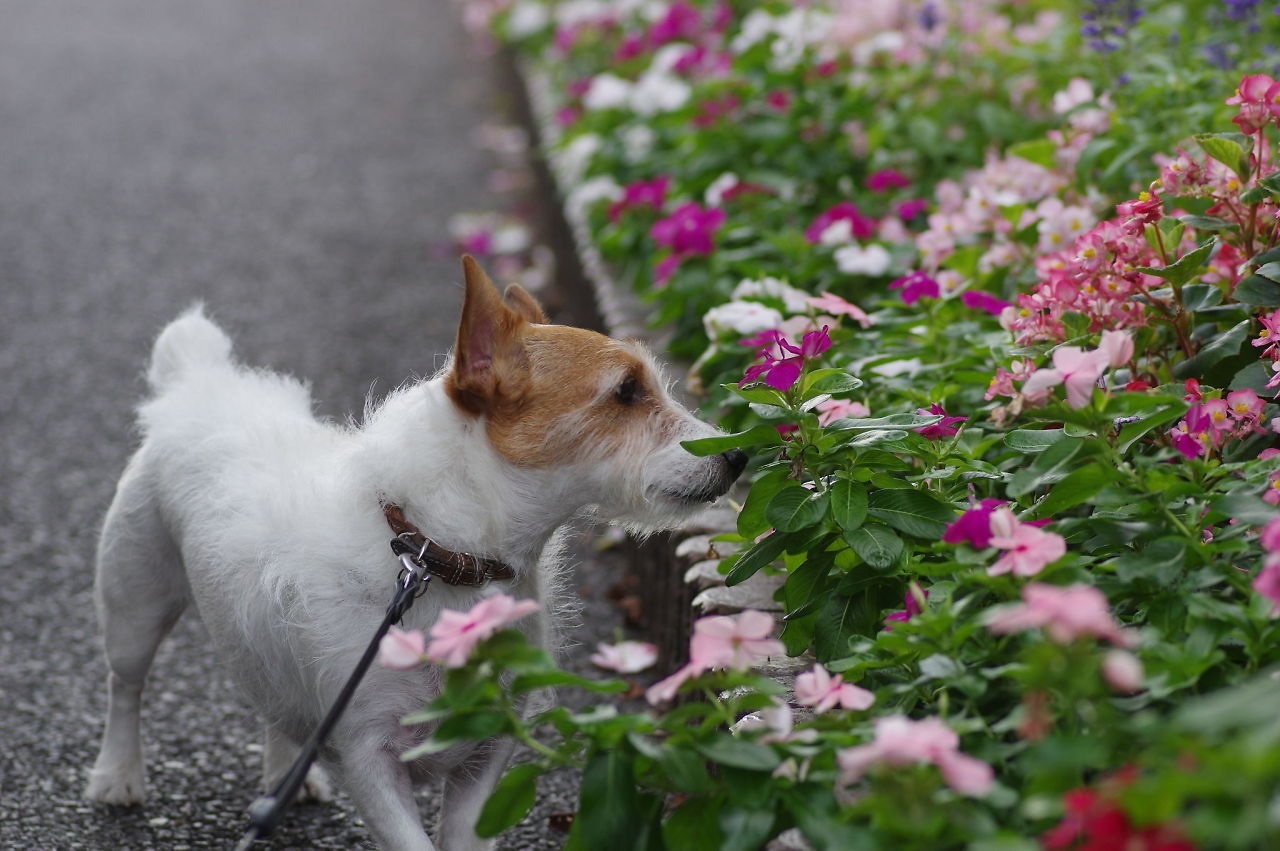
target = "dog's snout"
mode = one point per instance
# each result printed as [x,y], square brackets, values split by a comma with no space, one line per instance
[737,461]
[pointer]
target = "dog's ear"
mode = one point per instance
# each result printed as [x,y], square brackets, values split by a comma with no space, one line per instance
[489,360]
[518,299]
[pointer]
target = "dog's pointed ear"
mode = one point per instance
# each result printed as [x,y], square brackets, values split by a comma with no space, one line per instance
[518,299]
[489,360]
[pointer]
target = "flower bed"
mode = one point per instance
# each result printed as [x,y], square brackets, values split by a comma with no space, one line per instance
[991,292]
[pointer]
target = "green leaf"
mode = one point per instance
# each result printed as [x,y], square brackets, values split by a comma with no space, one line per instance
[1078,486]
[685,769]
[832,381]
[876,544]
[1208,223]
[848,504]
[761,435]
[694,824]
[1033,441]
[916,513]
[751,520]
[1053,465]
[558,679]
[745,829]
[511,800]
[611,813]
[1262,288]
[1197,297]
[1132,432]
[760,555]
[739,753]
[1187,267]
[1230,149]
[795,507]
[892,421]
[1042,152]
[1219,349]
[1245,506]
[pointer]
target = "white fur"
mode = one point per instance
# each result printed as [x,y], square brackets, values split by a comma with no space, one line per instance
[240,502]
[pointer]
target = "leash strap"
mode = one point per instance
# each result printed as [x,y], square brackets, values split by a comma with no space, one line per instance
[266,812]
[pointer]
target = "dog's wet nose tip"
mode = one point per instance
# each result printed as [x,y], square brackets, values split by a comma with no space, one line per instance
[737,461]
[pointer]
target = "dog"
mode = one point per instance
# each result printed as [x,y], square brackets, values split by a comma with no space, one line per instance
[274,526]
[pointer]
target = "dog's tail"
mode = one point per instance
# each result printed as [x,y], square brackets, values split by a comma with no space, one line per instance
[189,341]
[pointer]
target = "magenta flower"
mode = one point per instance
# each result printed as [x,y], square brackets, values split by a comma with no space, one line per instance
[402,649]
[979,300]
[886,179]
[1028,549]
[625,657]
[689,230]
[455,634]
[943,428]
[900,741]
[819,689]
[913,602]
[781,362]
[973,527]
[860,226]
[915,286]
[1065,614]
[651,194]
[1193,436]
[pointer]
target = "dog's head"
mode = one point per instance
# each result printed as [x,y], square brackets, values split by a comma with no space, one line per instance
[556,398]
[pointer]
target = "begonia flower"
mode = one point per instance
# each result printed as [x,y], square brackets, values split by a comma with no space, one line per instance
[1258,97]
[455,634]
[1064,612]
[819,689]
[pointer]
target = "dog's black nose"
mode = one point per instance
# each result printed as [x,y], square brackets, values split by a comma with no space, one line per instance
[737,461]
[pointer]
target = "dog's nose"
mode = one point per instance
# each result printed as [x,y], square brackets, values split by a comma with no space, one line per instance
[737,461]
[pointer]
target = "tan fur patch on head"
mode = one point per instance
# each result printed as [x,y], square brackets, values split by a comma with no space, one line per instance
[584,396]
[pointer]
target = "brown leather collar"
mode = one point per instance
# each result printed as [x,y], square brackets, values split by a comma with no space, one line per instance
[452,568]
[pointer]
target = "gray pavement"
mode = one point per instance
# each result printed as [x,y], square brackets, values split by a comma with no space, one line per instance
[293,164]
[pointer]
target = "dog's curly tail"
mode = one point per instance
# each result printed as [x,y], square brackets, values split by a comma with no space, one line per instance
[190,340]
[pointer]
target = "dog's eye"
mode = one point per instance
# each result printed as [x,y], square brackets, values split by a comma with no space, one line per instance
[628,391]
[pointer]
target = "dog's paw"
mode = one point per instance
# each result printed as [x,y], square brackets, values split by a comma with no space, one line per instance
[317,787]
[120,787]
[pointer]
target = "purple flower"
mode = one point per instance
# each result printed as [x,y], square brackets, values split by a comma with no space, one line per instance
[886,179]
[860,226]
[642,193]
[912,605]
[943,428]
[915,286]
[689,230]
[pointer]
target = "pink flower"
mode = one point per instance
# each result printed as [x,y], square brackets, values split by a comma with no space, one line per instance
[625,657]
[817,688]
[900,741]
[455,634]
[735,642]
[1122,671]
[837,306]
[915,286]
[886,179]
[1117,347]
[1258,97]
[402,649]
[1027,548]
[1193,436]
[979,300]
[974,526]
[1267,583]
[1065,613]
[1077,369]
[1269,537]
[946,427]
[838,409]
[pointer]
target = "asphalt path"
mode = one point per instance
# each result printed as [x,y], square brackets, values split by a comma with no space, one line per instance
[292,164]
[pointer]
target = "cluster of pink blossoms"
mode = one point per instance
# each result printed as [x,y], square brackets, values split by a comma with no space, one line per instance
[900,741]
[733,642]
[1267,582]
[453,636]
[1210,423]
[1078,370]
[1027,548]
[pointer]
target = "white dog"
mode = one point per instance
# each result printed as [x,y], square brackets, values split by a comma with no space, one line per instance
[272,525]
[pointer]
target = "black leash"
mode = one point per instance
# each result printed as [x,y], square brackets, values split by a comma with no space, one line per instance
[266,812]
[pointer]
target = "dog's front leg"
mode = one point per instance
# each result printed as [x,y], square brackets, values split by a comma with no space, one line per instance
[467,786]
[382,791]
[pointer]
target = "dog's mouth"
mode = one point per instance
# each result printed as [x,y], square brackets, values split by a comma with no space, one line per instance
[732,464]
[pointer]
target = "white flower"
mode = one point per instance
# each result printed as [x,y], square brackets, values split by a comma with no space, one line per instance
[839,232]
[573,12]
[715,192]
[654,93]
[607,91]
[858,260]
[591,191]
[637,141]
[526,18]
[625,657]
[741,317]
[794,300]
[571,161]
